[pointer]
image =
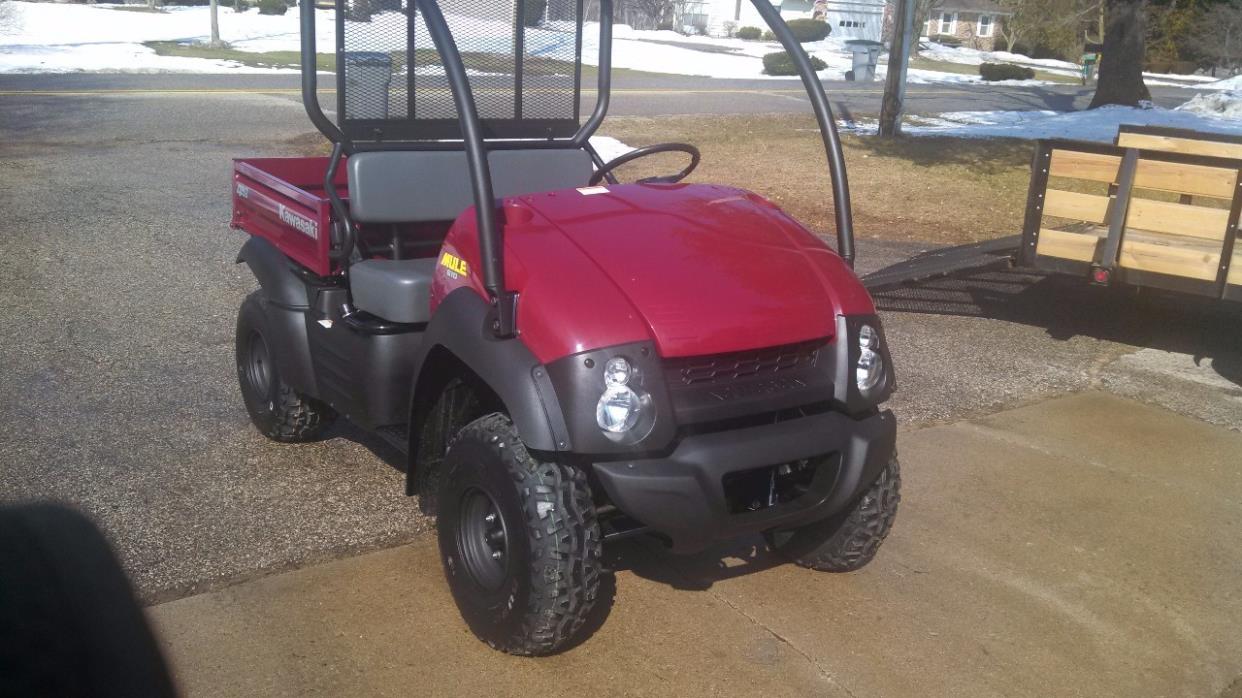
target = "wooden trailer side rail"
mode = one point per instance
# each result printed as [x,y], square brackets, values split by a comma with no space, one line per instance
[1130,232]
[1179,140]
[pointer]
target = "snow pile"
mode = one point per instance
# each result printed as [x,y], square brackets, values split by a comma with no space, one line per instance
[1224,105]
[1092,125]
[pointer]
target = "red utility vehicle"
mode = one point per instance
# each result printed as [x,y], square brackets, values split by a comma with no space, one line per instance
[565,360]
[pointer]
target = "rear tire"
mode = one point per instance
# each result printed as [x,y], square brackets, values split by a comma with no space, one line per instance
[848,541]
[278,411]
[519,540]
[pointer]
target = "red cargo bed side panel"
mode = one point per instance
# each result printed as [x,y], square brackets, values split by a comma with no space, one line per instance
[282,201]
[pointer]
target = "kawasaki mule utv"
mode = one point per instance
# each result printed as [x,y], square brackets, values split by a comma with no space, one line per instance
[564,359]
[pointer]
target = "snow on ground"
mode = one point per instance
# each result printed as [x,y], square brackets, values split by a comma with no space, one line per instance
[609,147]
[55,37]
[1092,125]
[970,56]
[1233,83]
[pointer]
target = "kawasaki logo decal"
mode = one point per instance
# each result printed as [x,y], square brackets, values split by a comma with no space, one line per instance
[298,222]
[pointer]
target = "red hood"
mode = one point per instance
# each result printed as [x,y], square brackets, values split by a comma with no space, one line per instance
[699,269]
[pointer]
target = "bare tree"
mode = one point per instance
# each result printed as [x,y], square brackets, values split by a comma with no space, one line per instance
[922,13]
[1219,35]
[1121,67]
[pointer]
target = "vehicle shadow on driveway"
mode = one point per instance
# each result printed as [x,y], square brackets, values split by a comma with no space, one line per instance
[648,558]
[1066,307]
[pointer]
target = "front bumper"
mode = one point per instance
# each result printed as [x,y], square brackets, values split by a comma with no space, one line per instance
[683,495]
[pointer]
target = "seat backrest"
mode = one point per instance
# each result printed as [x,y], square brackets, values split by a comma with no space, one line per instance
[414,186]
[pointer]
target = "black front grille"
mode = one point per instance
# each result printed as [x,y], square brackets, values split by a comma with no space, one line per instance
[720,369]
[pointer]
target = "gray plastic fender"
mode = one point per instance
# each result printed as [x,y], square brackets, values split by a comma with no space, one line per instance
[507,366]
[286,306]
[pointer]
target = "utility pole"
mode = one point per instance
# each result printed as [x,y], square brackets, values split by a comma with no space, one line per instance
[898,60]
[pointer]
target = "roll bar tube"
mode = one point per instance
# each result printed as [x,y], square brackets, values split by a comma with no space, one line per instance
[827,128]
[605,76]
[310,76]
[503,321]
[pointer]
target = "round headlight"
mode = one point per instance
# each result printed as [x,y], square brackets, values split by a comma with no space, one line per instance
[868,338]
[617,372]
[870,364]
[618,409]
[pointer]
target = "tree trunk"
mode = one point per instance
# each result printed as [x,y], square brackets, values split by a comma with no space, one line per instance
[1121,67]
[898,61]
[215,24]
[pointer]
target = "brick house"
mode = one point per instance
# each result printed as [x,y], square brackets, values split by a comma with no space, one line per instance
[976,23]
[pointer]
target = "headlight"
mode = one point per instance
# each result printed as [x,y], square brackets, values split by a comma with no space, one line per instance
[618,409]
[617,372]
[624,403]
[870,369]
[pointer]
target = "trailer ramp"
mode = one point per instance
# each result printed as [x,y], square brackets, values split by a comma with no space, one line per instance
[979,256]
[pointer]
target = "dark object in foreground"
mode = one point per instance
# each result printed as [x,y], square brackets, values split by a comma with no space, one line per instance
[69,623]
[566,360]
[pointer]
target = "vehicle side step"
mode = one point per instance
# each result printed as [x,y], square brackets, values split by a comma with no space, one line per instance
[1000,252]
[397,436]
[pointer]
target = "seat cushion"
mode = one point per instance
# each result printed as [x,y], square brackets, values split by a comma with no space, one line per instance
[411,186]
[395,290]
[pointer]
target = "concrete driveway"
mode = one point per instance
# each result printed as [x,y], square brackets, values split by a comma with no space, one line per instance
[1085,545]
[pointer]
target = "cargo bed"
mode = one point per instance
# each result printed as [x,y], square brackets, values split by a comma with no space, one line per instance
[283,200]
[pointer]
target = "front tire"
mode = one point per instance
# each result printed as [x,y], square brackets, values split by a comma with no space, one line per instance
[278,411]
[519,540]
[850,540]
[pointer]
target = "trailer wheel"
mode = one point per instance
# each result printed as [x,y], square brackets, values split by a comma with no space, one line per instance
[848,541]
[278,411]
[519,540]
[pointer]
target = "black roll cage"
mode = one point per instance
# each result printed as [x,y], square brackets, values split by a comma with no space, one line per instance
[475,146]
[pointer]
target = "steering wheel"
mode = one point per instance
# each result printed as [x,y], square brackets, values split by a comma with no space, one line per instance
[606,169]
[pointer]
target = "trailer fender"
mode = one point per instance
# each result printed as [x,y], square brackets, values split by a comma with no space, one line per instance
[285,303]
[506,366]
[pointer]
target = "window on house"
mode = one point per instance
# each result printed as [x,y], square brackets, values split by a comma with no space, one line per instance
[948,22]
[985,26]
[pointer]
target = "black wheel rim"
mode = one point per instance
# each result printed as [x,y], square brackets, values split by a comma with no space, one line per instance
[258,365]
[482,540]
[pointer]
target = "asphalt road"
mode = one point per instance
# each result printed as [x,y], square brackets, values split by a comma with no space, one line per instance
[118,295]
[632,94]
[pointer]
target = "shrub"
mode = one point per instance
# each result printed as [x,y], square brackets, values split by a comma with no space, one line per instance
[273,7]
[768,35]
[781,63]
[750,33]
[951,41]
[534,12]
[1005,71]
[805,30]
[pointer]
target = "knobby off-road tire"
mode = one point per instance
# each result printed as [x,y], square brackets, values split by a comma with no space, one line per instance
[525,579]
[848,541]
[278,411]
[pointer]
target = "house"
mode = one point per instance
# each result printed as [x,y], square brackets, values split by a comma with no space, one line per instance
[850,19]
[975,23]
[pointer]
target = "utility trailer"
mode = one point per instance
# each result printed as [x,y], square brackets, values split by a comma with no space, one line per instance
[1158,209]
[565,360]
